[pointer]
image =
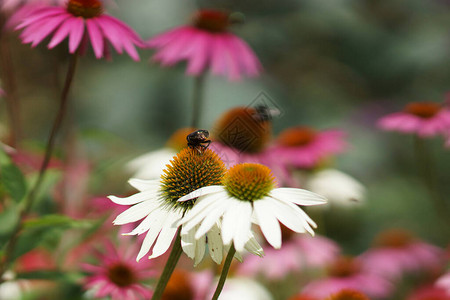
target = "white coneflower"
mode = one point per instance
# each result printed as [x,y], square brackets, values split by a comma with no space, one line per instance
[248,195]
[157,204]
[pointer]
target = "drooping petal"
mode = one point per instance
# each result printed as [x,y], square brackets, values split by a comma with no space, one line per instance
[243,224]
[166,235]
[211,218]
[61,33]
[76,34]
[152,234]
[268,223]
[229,224]
[215,244]
[95,37]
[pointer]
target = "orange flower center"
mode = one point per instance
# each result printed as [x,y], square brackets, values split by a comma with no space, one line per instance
[85,8]
[344,267]
[424,110]
[348,295]
[211,20]
[297,136]
[242,129]
[394,238]
[178,140]
[178,287]
[121,275]
[302,297]
[249,182]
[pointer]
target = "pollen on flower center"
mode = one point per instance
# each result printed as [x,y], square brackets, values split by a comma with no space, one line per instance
[249,182]
[242,129]
[297,136]
[121,275]
[394,238]
[85,8]
[188,171]
[348,294]
[343,267]
[424,110]
[211,20]
[178,139]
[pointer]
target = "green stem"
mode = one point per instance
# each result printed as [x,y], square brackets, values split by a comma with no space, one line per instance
[427,169]
[223,275]
[170,266]
[10,247]
[197,99]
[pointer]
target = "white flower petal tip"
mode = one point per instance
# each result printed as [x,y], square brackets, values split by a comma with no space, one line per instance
[142,184]
[201,192]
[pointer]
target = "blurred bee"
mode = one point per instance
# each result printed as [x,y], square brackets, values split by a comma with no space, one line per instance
[264,113]
[198,140]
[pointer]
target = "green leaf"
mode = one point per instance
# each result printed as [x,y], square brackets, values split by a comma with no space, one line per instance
[54,220]
[54,275]
[9,218]
[13,181]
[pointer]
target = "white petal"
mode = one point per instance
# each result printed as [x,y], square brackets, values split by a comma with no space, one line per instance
[157,216]
[133,199]
[253,246]
[152,164]
[201,208]
[229,225]
[144,185]
[166,235]
[152,234]
[200,248]
[215,244]
[268,223]
[211,218]
[136,212]
[243,224]
[287,213]
[188,241]
[202,192]
[298,196]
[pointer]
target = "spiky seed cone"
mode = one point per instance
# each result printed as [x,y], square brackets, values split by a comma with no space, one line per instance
[249,182]
[238,128]
[188,171]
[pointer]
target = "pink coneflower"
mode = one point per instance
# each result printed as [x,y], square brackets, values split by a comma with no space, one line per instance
[299,252]
[118,275]
[81,21]
[348,273]
[206,43]
[396,252]
[426,119]
[305,147]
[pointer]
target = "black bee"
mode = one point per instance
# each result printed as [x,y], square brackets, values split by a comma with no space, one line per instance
[198,140]
[265,113]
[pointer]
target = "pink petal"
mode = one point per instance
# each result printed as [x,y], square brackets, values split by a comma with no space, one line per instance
[231,58]
[249,62]
[49,26]
[39,14]
[110,33]
[199,54]
[76,34]
[61,33]
[218,52]
[96,38]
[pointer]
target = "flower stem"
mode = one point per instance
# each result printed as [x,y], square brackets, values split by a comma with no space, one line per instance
[223,275]
[170,266]
[9,83]
[197,100]
[31,196]
[427,169]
